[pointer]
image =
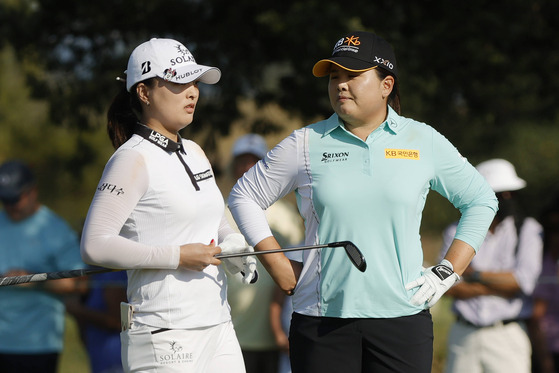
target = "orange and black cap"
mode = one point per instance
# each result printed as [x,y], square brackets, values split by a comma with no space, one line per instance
[359,51]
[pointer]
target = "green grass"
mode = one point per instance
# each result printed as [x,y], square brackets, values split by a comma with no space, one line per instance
[442,319]
[74,357]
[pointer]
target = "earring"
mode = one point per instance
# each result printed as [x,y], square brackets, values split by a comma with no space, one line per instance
[147,103]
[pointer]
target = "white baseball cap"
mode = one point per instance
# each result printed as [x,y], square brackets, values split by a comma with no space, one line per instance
[252,144]
[169,60]
[501,175]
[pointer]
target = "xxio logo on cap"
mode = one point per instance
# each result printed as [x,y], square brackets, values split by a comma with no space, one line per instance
[382,61]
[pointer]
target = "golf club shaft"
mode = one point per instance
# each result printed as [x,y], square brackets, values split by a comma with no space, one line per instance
[38,277]
[352,252]
[246,253]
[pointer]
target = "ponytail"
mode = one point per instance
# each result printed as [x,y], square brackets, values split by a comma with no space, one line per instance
[122,117]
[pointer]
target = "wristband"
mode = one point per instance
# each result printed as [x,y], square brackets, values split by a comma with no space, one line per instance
[442,271]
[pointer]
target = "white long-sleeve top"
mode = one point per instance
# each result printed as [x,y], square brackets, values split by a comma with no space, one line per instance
[146,206]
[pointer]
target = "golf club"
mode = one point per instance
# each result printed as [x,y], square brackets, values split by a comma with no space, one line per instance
[355,256]
[353,253]
[37,277]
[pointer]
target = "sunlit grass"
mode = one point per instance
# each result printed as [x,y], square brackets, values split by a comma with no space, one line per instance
[74,357]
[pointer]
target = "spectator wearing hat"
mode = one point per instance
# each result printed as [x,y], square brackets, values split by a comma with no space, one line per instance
[33,239]
[250,303]
[363,175]
[493,301]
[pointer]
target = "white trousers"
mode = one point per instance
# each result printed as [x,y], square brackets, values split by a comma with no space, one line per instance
[212,349]
[495,349]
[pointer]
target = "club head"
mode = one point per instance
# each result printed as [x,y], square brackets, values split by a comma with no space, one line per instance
[353,253]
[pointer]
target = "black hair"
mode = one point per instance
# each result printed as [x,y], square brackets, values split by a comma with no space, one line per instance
[394,98]
[122,117]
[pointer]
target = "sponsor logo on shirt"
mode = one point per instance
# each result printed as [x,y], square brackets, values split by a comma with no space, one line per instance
[111,188]
[175,355]
[203,175]
[334,157]
[159,139]
[401,154]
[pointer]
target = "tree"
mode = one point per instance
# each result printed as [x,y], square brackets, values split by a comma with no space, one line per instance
[476,71]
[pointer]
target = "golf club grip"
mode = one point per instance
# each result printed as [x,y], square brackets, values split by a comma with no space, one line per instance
[38,277]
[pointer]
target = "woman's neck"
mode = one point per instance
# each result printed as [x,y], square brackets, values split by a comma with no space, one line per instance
[363,129]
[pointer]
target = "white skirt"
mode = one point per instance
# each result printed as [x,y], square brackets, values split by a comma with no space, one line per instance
[213,349]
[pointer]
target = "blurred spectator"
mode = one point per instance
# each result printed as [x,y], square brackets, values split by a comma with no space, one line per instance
[33,239]
[492,302]
[250,304]
[281,310]
[546,298]
[98,317]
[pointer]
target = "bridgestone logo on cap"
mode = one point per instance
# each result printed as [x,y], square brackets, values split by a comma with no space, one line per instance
[146,67]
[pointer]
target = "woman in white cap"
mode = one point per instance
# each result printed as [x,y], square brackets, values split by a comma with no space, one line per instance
[158,213]
[363,175]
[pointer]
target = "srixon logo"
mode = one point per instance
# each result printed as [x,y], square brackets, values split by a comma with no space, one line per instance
[334,157]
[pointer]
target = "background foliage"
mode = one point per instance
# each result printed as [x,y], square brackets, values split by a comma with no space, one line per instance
[485,74]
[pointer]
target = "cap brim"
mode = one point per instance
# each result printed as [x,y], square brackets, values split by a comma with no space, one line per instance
[201,73]
[322,67]
[9,193]
[210,76]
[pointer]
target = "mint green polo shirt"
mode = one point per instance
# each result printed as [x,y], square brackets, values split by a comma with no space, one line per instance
[371,193]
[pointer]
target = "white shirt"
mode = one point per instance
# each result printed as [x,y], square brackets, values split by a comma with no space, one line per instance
[503,251]
[145,207]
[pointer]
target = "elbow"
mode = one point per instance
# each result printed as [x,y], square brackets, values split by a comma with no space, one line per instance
[289,291]
[92,255]
[288,287]
[86,254]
